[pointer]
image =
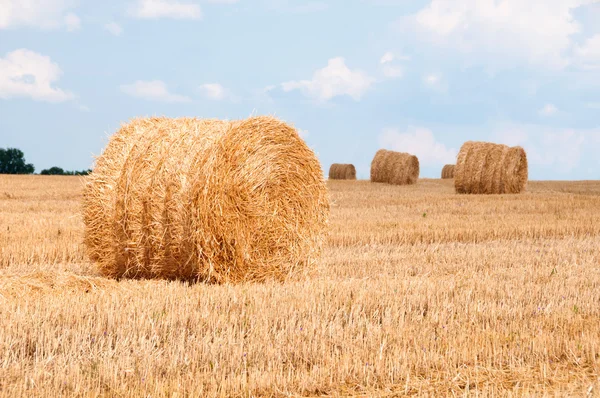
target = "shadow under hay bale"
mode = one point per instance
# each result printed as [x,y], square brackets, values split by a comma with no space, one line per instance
[448,171]
[205,200]
[486,168]
[394,168]
[342,172]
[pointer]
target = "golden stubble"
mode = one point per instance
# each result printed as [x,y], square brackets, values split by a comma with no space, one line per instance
[419,292]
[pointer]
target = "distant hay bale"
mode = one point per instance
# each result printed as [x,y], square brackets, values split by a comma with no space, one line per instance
[394,168]
[448,171]
[205,200]
[486,168]
[342,172]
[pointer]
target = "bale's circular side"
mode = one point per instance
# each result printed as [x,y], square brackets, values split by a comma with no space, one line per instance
[205,200]
[394,168]
[339,171]
[448,171]
[486,168]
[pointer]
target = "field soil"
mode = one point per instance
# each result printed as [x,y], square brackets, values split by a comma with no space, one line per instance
[419,292]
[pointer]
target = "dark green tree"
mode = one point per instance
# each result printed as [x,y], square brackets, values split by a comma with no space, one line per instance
[12,161]
[53,171]
[58,171]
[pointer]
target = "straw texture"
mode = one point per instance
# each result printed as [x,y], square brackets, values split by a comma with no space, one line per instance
[342,172]
[394,168]
[206,200]
[448,171]
[486,168]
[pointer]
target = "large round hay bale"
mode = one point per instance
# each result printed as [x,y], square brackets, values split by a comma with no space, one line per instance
[448,171]
[205,200]
[339,171]
[394,168]
[486,168]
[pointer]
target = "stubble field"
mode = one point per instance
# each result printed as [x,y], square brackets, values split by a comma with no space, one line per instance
[419,292]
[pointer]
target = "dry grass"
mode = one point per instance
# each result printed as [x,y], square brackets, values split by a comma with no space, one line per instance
[420,292]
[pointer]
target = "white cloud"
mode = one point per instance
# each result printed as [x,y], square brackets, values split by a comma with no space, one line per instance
[24,73]
[435,81]
[387,57]
[390,69]
[114,28]
[303,134]
[223,1]
[83,108]
[588,55]
[561,149]
[548,110]
[217,92]
[593,105]
[502,33]
[431,79]
[154,90]
[310,7]
[154,9]
[335,79]
[288,6]
[42,14]
[72,22]
[418,141]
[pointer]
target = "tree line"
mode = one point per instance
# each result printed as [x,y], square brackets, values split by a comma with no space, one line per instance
[12,161]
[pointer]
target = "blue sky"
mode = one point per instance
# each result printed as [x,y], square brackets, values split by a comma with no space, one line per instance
[419,76]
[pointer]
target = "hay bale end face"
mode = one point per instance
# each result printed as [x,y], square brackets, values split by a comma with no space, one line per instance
[448,171]
[342,172]
[205,200]
[394,168]
[486,168]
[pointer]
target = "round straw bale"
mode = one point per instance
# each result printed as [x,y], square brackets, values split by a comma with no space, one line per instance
[205,200]
[448,171]
[486,168]
[394,168]
[342,172]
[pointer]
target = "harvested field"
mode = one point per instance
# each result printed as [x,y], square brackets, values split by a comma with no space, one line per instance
[419,291]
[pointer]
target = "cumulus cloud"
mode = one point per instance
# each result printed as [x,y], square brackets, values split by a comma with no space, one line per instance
[25,73]
[418,141]
[72,22]
[289,6]
[588,54]
[502,32]
[113,28]
[155,9]
[336,79]
[217,92]
[548,110]
[154,90]
[388,66]
[42,14]
[435,81]
[559,149]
